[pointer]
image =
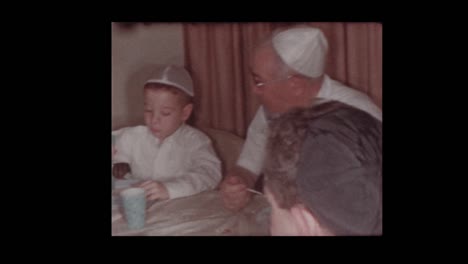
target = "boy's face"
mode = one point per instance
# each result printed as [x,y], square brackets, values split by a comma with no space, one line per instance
[164,112]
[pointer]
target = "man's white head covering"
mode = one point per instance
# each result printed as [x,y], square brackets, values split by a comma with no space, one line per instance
[303,49]
[173,75]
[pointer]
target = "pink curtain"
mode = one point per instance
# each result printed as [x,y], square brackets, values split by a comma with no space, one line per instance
[217,55]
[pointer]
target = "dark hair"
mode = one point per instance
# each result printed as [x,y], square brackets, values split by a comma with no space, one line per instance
[329,158]
[287,132]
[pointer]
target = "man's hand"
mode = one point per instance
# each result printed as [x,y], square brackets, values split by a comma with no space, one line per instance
[120,169]
[234,188]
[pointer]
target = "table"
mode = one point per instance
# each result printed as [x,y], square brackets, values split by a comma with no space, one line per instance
[202,214]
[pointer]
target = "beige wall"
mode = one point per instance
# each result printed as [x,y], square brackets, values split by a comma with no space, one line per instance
[134,49]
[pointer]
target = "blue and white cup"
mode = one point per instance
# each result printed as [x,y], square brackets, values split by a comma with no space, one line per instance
[134,205]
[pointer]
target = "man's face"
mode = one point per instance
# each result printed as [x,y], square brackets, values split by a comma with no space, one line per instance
[164,113]
[273,91]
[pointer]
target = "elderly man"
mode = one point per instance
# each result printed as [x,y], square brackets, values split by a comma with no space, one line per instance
[287,71]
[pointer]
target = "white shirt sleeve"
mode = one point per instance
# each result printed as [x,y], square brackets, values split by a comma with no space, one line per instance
[254,149]
[204,173]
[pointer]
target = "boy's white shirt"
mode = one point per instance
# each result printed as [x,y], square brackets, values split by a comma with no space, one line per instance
[185,162]
[254,149]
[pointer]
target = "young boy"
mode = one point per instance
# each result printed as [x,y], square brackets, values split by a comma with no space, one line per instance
[175,159]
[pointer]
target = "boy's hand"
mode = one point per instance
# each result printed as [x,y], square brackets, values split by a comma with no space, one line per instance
[155,190]
[120,169]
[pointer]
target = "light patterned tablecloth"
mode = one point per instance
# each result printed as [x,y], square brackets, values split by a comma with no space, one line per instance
[198,215]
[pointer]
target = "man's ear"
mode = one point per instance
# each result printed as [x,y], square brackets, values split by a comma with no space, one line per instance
[186,111]
[297,86]
[304,221]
